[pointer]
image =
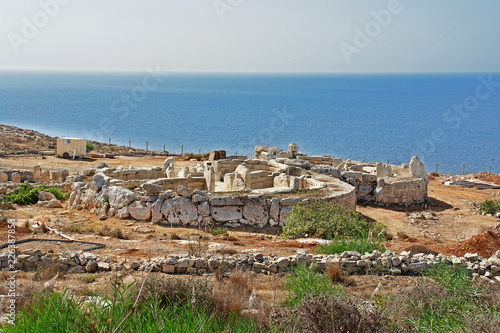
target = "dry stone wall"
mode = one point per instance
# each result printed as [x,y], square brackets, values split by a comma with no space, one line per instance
[352,262]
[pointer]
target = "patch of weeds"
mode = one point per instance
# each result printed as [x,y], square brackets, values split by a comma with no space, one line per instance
[325,220]
[490,207]
[360,245]
[197,248]
[89,278]
[304,283]
[219,231]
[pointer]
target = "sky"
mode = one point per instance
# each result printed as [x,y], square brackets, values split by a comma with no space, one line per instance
[320,36]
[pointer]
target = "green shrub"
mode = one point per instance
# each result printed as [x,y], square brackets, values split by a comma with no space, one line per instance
[26,194]
[326,220]
[305,282]
[360,245]
[90,146]
[219,231]
[490,206]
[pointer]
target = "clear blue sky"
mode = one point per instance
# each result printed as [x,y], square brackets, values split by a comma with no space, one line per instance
[251,35]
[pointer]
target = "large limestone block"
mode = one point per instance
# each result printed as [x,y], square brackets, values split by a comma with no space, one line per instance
[274,210]
[151,189]
[226,213]
[120,197]
[285,210]
[255,210]
[383,170]
[138,211]
[281,180]
[46,176]
[179,210]
[204,209]
[156,214]
[15,177]
[3,177]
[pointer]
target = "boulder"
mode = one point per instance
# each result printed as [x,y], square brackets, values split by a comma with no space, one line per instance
[138,211]
[16,178]
[120,197]
[122,213]
[156,214]
[184,191]
[45,196]
[54,203]
[3,176]
[169,162]
[98,182]
[102,165]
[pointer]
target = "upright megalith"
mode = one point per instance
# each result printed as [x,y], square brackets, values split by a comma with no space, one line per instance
[169,162]
[417,168]
[209,175]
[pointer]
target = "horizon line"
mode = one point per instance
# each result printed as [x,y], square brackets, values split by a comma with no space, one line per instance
[164,72]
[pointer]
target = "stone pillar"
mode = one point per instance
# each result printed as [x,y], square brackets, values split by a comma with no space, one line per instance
[209,174]
[3,177]
[37,173]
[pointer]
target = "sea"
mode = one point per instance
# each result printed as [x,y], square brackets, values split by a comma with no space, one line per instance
[451,121]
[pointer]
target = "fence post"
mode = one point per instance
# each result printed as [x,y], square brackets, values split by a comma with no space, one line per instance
[437,167]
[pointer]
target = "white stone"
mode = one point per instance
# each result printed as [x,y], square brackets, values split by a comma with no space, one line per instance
[120,197]
[417,168]
[169,162]
[138,211]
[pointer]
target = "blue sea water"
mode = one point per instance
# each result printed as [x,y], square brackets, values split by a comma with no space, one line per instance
[374,117]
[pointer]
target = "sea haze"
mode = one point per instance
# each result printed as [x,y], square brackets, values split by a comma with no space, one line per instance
[372,117]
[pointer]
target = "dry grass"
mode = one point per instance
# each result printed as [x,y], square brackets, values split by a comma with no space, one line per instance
[331,314]
[402,235]
[227,250]
[232,295]
[335,272]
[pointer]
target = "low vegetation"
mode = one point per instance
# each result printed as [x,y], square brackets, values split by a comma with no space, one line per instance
[490,206]
[446,300]
[360,245]
[27,194]
[90,146]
